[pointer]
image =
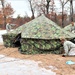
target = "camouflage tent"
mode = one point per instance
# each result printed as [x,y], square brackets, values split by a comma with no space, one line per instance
[42,28]
[38,36]
[68,27]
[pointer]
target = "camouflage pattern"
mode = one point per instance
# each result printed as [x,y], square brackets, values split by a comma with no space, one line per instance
[40,35]
[38,46]
[43,28]
[18,29]
[68,27]
[46,36]
[9,39]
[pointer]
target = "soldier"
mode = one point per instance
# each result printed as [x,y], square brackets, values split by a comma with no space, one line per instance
[8,27]
[69,47]
[72,27]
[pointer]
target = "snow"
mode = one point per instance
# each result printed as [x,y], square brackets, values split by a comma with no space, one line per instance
[1,33]
[14,66]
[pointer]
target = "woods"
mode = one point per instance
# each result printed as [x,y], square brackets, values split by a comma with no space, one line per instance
[5,13]
[60,11]
[49,8]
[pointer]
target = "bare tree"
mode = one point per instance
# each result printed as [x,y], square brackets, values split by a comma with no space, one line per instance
[43,6]
[47,6]
[63,2]
[6,11]
[31,2]
[71,10]
[3,6]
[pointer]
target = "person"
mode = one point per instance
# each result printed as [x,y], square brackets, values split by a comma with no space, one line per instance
[8,27]
[72,27]
[69,47]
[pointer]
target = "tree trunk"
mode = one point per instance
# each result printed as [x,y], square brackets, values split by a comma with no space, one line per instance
[2,3]
[71,10]
[32,9]
[62,15]
[47,6]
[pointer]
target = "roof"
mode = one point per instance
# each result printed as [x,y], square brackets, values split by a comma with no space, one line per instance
[68,27]
[42,28]
[18,29]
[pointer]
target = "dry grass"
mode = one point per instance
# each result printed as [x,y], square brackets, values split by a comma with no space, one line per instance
[47,59]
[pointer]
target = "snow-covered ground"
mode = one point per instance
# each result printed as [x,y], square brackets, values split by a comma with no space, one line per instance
[13,66]
[1,33]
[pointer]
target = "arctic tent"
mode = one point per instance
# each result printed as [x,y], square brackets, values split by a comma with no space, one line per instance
[39,35]
[68,27]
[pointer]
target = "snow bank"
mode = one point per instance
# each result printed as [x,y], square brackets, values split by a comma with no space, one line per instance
[1,33]
[13,66]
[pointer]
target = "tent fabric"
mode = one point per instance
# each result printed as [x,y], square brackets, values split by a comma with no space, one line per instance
[37,36]
[8,39]
[68,27]
[35,46]
[17,30]
[44,28]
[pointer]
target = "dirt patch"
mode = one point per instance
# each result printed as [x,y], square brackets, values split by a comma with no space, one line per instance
[48,60]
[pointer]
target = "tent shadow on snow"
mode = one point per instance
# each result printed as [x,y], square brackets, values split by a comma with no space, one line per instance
[40,35]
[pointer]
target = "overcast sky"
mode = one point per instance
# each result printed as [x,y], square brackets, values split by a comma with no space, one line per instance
[21,7]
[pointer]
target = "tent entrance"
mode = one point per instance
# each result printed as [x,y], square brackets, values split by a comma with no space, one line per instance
[17,41]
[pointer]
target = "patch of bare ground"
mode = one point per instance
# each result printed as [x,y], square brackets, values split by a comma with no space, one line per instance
[47,60]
